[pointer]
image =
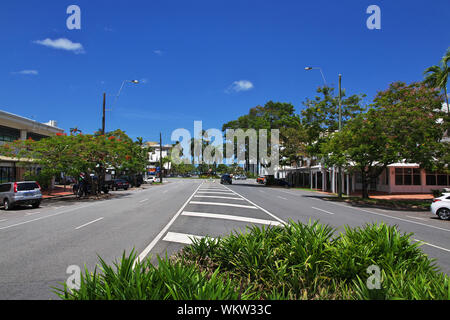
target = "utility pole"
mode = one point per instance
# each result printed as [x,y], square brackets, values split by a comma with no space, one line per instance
[340,127]
[103,118]
[160,159]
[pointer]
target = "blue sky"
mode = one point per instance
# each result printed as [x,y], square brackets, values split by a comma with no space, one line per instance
[209,60]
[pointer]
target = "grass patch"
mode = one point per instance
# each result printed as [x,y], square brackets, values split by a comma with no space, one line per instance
[296,261]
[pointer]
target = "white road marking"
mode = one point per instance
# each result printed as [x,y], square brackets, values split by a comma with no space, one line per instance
[418,218]
[388,216]
[431,245]
[143,200]
[229,217]
[86,224]
[215,192]
[181,237]
[223,204]
[260,208]
[323,210]
[32,213]
[146,251]
[219,197]
[44,217]
[3,220]
[281,197]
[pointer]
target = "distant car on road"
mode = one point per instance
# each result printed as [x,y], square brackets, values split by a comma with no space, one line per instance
[20,193]
[120,184]
[226,179]
[441,206]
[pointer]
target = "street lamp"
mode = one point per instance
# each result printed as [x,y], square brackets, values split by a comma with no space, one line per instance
[115,100]
[317,68]
[340,121]
[120,90]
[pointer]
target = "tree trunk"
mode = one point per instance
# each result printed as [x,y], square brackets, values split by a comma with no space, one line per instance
[446,100]
[365,191]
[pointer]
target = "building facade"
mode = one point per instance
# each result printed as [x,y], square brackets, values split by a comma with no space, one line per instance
[154,157]
[14,127]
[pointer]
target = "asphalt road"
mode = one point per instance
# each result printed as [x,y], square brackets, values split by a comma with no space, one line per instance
[38,245]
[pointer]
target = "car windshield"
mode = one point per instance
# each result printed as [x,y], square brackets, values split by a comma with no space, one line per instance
[27,186]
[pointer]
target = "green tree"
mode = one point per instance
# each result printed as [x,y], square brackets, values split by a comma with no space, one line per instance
[402,126]
[437,76]
[273,115]
[81,153]
[320,118]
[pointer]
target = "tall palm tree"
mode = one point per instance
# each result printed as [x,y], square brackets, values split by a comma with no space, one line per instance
[437,76]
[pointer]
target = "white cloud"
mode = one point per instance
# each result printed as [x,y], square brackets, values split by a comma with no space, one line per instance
[62,44]
[27,72]
[158,52]
[241,85]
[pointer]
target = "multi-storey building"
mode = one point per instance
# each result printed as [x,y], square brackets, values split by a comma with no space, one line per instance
[14,127]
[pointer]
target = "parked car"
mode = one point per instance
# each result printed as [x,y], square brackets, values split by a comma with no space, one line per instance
[20,193]
[441,206]
[120,184]
[282,183]
[261,180]
[226,179]
[150,179]
[133,180]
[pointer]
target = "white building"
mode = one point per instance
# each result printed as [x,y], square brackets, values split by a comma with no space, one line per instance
[154,157]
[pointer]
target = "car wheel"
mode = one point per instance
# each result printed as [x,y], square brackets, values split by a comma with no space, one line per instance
[7,205]
[444,213]
[36,204]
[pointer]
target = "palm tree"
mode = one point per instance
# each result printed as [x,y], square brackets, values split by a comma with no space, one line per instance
[437,76]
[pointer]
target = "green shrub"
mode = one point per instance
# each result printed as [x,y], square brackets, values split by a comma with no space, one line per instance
[44,178]
[294,261]
[436,193]
[170,281]
[374,244]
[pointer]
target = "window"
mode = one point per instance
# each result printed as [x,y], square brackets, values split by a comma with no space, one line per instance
[7,174]
[27,186]
[5,187]
[9,134]
[438,179]
[407,176]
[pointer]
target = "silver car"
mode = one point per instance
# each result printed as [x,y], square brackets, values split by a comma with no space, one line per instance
[20,193]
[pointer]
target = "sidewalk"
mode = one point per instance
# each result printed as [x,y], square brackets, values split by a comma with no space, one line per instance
[386,196]
[57,192]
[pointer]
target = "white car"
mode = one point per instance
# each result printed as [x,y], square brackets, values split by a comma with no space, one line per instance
[150,179]
[441,206]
